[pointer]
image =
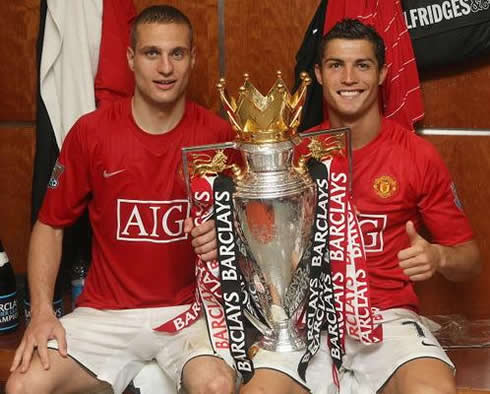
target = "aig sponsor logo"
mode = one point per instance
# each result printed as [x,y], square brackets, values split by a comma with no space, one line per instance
[372,228]
[151,221]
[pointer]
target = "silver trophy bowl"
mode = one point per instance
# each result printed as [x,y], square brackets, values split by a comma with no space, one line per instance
[274,210]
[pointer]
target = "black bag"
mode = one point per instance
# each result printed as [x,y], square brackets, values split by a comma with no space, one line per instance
[447,31]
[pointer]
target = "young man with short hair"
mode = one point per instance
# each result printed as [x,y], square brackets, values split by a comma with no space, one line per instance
[123,162]
[399,183]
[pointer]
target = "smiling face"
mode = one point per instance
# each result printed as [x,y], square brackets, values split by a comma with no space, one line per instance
[162,60]
[350,77]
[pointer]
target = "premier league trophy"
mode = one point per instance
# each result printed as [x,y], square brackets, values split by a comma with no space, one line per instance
[274,203]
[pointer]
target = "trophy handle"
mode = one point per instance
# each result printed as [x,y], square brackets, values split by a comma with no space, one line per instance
[201,148]
[319,151]
[300,167]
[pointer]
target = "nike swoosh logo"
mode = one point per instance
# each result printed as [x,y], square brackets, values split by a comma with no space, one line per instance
[428,344]
[109,174]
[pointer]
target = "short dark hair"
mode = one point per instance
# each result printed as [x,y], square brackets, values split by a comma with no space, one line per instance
[159,14]
[353,29]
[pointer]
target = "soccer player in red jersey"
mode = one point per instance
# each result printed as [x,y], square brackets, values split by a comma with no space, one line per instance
[123,163]
[399,184]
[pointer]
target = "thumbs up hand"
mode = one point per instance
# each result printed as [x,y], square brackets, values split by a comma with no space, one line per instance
[421,259]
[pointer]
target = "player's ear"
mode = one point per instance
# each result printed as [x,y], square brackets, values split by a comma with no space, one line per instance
[382,74]
[130,57]
[193,55]
[318,74]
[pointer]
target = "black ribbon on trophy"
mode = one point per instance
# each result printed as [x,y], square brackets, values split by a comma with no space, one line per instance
[230,275]
[321,307]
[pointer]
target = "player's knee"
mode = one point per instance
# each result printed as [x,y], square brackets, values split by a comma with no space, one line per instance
[446,387]
[220,384]
[216,384]
[18,383]
[249,389]
[15,385]
[438,387]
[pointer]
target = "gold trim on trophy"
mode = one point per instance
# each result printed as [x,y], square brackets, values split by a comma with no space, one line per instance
[259,119]
[321,149]
[205,164]
[325,148]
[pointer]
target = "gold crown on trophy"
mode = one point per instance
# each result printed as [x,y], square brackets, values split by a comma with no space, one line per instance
[264,119]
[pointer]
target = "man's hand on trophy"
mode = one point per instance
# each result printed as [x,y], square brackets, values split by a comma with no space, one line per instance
[204,239]
[421,259]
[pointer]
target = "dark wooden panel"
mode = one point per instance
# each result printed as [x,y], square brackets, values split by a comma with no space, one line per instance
[458,96]
[469,164]
[18,34]
[203,15]
[16,158]
[263,37]
[471,391]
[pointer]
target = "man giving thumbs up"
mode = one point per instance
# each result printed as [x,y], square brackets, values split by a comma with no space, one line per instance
[422,259]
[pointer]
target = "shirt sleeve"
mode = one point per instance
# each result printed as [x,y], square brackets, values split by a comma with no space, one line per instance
[438,203]
[68,189]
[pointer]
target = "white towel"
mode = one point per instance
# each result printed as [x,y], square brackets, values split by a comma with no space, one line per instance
[69,59]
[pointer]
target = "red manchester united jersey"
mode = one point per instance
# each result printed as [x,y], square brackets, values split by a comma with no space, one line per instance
[133,185]
[399,177]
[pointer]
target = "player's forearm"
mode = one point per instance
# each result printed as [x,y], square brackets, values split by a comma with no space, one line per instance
[43,264]
[460,262]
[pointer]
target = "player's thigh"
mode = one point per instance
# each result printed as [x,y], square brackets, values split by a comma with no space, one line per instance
[422,376]
[406,339]
[272,382]
[65,375]
[188,357]
[208,374]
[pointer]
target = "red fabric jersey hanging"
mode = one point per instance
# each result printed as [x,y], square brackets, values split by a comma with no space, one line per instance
[114,79]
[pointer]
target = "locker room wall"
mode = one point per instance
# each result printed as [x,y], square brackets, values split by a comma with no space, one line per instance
[457,97]
[18,34]
[260,38]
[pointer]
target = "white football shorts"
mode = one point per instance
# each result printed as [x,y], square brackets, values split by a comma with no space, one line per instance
[366,368]
[115,345]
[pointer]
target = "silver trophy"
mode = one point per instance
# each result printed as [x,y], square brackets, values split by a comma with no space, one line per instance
[274,203]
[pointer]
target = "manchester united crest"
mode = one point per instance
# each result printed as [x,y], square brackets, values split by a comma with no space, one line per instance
[385,186]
